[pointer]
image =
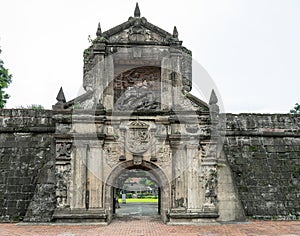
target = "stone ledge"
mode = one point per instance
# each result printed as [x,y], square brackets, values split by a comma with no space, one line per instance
[260,133]
[87,136]
[193,218]
[79,216]
[27,129]
[193,215]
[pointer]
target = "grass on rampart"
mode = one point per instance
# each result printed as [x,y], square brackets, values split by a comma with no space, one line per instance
[140,200]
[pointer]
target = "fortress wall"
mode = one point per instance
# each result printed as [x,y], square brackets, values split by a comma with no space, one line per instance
[26,160]
[263,151]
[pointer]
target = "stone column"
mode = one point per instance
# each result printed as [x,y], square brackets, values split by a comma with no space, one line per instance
[99,74]
[107,83]
[78,183]
[179,193]
[95,174]
[193,189]
[175,56]
[166,84]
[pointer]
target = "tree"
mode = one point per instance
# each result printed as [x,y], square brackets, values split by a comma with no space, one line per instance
[296,109]
[5,80]
[143,181]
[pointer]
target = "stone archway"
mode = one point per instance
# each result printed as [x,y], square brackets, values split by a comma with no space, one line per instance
[161,177]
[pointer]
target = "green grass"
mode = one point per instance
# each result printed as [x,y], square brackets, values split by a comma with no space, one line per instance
[139,200]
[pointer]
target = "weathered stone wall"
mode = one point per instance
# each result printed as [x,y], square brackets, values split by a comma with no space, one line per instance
[26,164]
[263,152]
[264,155]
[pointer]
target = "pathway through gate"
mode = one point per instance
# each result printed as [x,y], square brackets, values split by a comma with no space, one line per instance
[137,211]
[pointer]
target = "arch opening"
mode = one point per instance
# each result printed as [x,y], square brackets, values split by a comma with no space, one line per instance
[139,190]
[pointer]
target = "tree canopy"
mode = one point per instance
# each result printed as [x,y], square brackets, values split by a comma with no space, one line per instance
[296,109]
[5,80]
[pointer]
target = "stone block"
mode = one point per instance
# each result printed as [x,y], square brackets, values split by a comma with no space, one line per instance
[13,188]
[11,203]
[28,188]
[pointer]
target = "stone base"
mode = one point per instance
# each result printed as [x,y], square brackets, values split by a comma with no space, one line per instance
[79,216]
[189,218]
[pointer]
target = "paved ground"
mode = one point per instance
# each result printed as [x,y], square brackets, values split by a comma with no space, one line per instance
[148,226]
[137,209]
[136,221]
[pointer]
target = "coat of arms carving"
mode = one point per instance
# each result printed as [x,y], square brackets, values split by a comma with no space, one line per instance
[138,137]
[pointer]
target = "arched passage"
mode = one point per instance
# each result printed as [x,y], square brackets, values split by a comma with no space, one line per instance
[162,182]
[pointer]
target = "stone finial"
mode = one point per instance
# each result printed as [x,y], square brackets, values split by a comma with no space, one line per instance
[175,33]
[137,12]
[213,98]
[213,107]
[99,31]
[61,96]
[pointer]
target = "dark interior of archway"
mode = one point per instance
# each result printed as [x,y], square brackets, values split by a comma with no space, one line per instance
[136,193]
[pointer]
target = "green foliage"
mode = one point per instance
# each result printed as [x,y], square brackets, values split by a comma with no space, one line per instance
[147,182]
[5,80]
[143,181]
[253,148]
[296,109]
[35,107]
[221,165]
[32,107]
[86,54]
[18,218]
[90,39]
[76,106]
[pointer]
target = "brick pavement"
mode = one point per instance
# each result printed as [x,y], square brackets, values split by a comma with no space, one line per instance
[153,226]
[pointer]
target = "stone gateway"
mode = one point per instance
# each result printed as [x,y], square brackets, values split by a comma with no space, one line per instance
[137,113]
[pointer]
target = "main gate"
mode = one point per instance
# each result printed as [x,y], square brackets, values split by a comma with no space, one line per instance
[137,112]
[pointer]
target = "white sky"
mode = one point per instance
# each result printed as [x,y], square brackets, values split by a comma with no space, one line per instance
[250,48]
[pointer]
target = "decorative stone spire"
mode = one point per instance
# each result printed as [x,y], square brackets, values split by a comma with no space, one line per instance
[99,31]
[213,98]
[213,107]
[137,12]
[175,33]
[61,96]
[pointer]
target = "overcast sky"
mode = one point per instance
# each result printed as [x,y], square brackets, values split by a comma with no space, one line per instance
[250,48]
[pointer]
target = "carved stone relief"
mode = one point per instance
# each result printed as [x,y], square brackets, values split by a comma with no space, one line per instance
[137,89]
[63,151]
[209,176]
[88,81]
[137,33]
[111,153]
[138,137]
[185,104]
[163,153]
[62,172]
[63,128]
[137,160]
[192,128]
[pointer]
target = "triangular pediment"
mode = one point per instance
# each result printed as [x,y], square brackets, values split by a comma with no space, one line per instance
[139,30]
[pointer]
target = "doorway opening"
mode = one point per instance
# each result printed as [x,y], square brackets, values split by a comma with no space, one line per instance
[136,194]
[136,191]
